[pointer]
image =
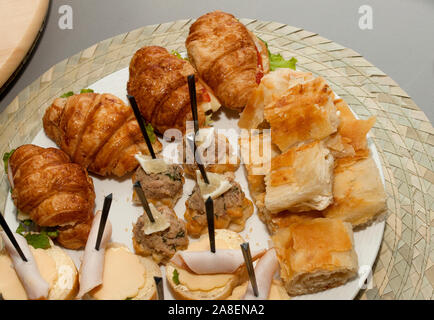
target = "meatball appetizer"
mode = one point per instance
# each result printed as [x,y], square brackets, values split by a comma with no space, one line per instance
[231,207]
[162,238]
[161,181]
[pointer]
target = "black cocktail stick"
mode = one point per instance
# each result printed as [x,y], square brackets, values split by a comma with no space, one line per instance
[193,101]
[159,284]
[141,124]
[11,237]
[210,218]
[198,160]
[105,211]
[138,188]
[245,248]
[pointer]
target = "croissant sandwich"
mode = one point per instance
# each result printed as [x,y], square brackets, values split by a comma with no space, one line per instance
[158,81]
[98,131]
[53,192]
[228,57]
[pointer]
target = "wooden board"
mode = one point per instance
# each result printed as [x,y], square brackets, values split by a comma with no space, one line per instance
[20,23]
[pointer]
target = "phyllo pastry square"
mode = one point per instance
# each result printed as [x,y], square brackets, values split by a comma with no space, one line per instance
[306,112]
[315,255]
[351,135]
[300,179]
[256,152]
[359,196]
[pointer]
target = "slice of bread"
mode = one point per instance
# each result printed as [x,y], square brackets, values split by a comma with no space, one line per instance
[225,239]
[64,284]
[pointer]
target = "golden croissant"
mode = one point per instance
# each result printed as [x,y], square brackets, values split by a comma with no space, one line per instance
[54,191]
[228,57]
[158,81]
[97,131]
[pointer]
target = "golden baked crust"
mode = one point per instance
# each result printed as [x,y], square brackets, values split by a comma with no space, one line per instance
[315,255]
[350,139]
[358,193]
[54,192]
[300,179]
[272,87]
[256,152]
[224,53]
[306,112]
[158,81]
[98,131]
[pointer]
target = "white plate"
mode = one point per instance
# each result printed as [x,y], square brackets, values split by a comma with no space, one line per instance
[123,214]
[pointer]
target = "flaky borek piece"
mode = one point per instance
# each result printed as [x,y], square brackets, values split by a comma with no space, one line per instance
[54,192]
[158,81]
[98,132]
[305,113]
[224,53]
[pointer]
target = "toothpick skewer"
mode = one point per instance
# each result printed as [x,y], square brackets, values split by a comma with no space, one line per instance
[210,219]
[159,284]
[245,248]
[138,188]
[11,237]
[141,125]
[105,211]
[199,163]
[193,101]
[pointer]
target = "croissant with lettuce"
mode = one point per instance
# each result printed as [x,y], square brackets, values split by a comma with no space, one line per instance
[98,132]
[53,192]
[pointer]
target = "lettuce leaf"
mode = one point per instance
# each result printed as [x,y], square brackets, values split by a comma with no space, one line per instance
[277,61]
[151,133]
[67,94]
[38,240]
[86,90]
[177,54]
[175,277]
[6,157]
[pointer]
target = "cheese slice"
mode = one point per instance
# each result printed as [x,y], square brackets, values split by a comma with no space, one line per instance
[206,282]
[123,277]
[150,165]
[161,222]
[23,216]
[11,287]
[218,184]
[205,137]
[46,265]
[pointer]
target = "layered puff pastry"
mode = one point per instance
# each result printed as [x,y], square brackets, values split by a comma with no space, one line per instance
[256,152]
[53,191]
[350,138]
[306,112]
[315,255]
[228,57]
[272,87]
[300,179]
[97,131]
[158,81]
[358,192]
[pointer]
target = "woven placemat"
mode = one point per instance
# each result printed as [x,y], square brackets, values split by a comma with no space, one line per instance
[403,135]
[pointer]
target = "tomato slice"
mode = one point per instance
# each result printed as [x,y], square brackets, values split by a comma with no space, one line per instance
[260,67]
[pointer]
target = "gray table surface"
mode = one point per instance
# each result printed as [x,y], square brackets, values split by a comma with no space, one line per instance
[401,42]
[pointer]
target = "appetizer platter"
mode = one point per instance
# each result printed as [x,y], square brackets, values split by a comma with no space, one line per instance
[311,208]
